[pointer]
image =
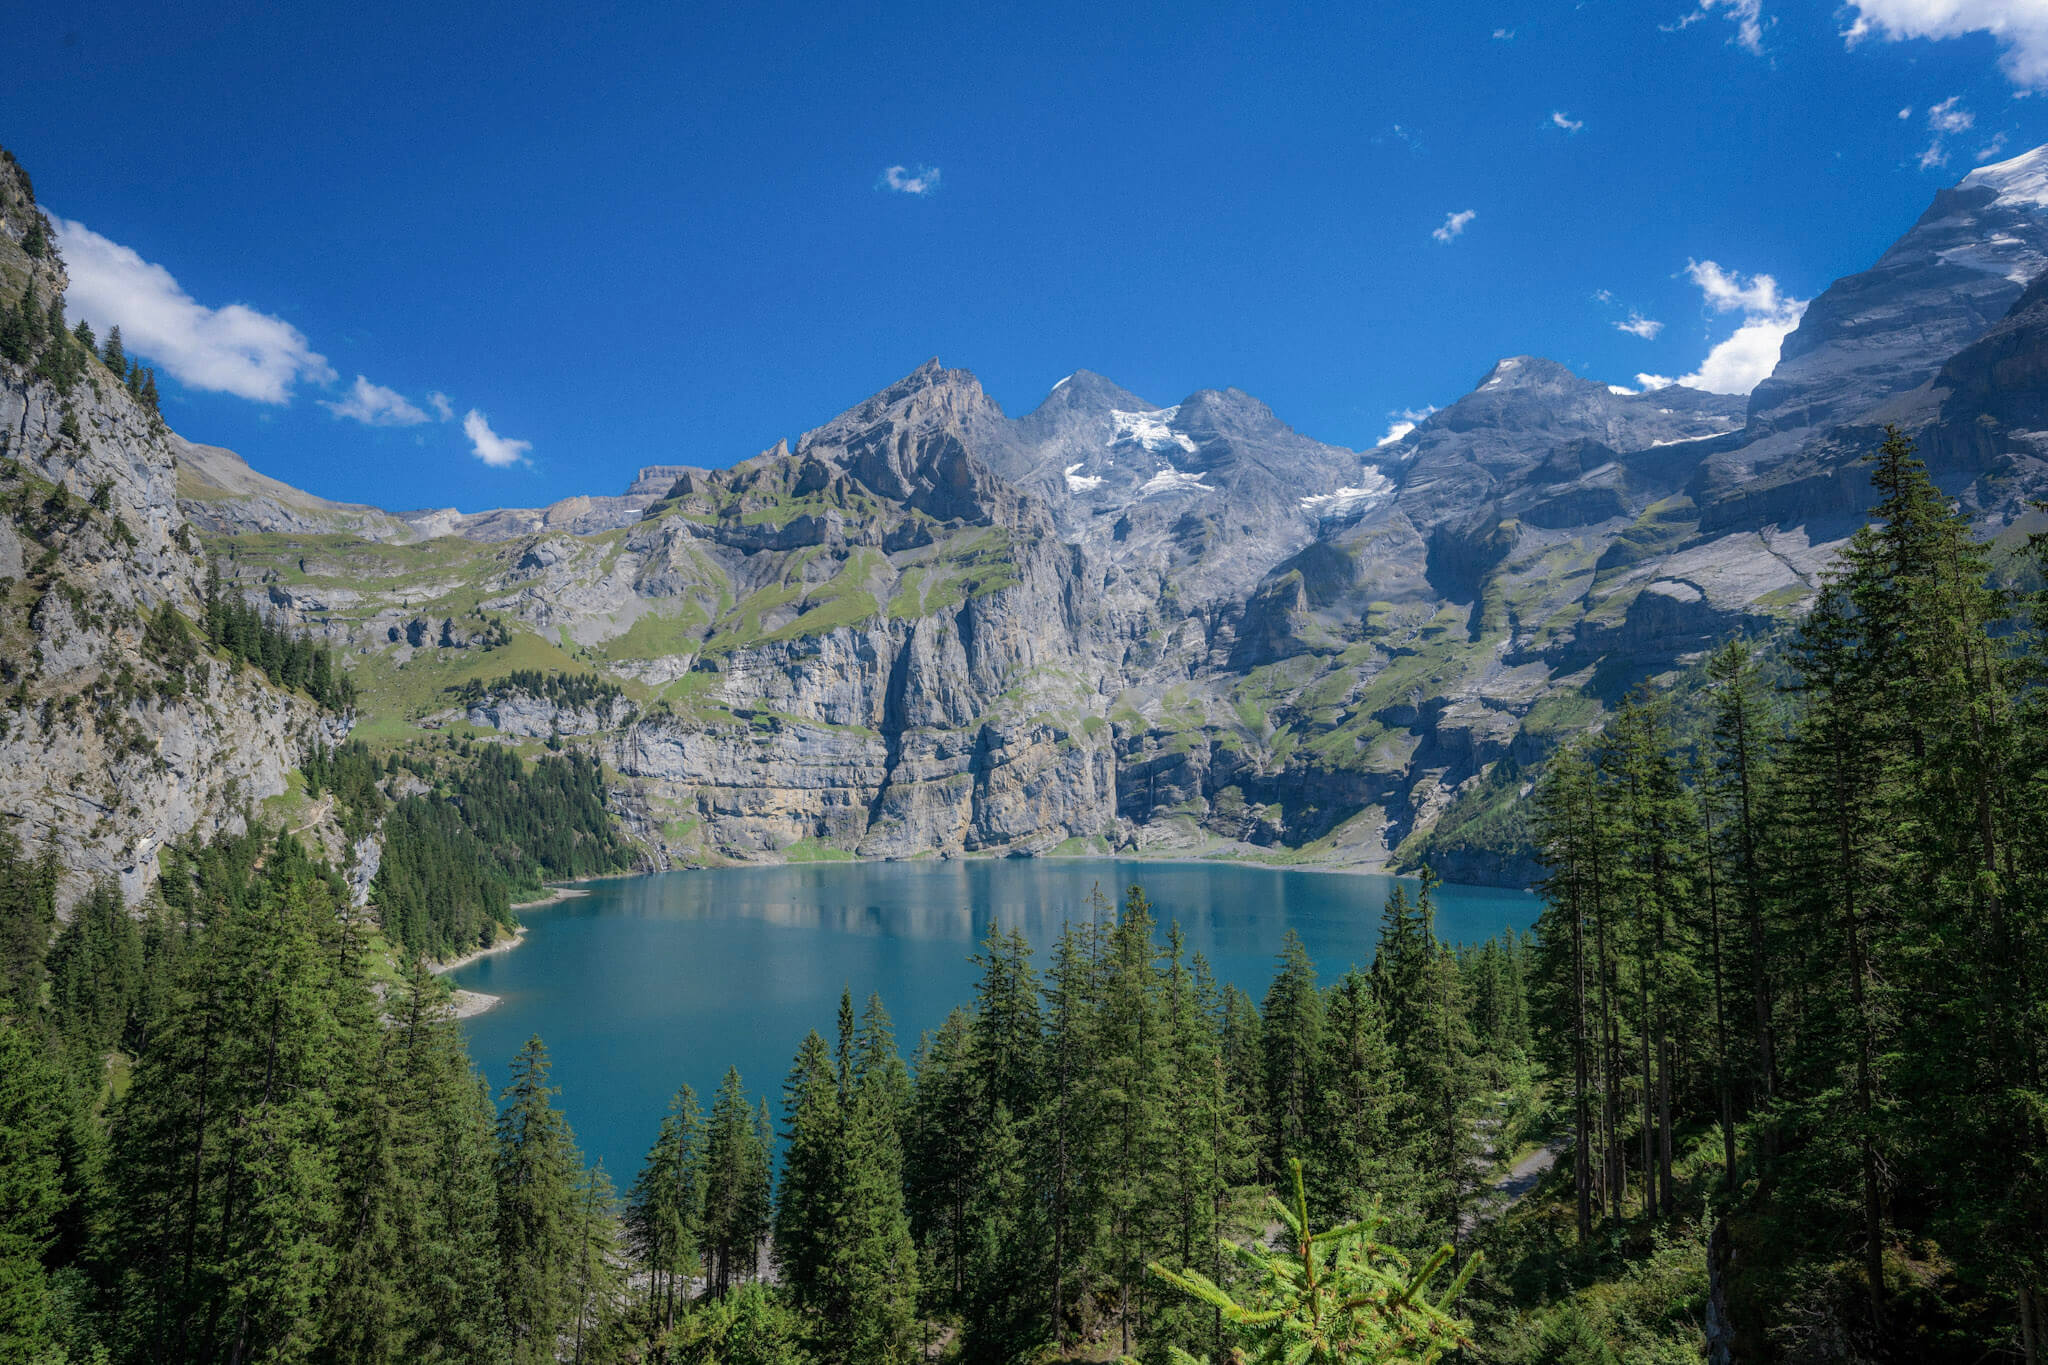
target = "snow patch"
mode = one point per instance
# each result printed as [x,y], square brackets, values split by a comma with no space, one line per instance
[1149,429]
[1621,390]
[1081,483]
[1173,481]
[1685,440]
[2022,180]
[1056,388]
[1373,488]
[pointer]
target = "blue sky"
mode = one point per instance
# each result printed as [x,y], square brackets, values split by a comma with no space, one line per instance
[654,234]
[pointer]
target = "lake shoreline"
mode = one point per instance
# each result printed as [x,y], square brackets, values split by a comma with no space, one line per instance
[1218,860]
[467,1004]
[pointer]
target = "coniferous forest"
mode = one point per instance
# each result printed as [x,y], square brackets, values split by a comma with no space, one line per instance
[1781,1026]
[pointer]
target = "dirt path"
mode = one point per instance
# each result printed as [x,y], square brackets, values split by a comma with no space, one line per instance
[1506,1191]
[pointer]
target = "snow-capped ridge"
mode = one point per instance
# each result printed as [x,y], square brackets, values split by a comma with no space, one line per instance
[2021,180]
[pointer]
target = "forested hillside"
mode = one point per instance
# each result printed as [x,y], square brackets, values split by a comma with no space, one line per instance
[1811,923]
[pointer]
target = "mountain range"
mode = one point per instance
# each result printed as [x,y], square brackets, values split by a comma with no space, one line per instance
[928,628]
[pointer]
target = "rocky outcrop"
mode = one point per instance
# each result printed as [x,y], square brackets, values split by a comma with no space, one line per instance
[111,745]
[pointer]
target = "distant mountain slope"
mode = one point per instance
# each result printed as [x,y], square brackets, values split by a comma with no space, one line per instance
[931,627]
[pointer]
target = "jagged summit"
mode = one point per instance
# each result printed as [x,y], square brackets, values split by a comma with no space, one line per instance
[2019,180]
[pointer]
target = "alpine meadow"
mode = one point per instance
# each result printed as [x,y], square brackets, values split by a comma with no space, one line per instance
[1569,853]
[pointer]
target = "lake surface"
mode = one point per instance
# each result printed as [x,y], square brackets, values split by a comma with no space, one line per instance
[650,982]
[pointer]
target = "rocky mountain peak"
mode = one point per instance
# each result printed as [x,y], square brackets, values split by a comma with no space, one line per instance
[1940,286]
[915,443]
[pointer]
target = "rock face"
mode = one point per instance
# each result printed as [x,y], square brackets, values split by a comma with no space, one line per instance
[106,752]
[929,628]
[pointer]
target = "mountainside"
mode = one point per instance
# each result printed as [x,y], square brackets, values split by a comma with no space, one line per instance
[928,627]
[119,731]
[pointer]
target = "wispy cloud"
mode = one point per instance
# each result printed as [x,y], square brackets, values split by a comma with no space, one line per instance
[2020,28]
[233,349]
[1454,225]
[1944,121]
[1403,135]
[443,409]
[1636,325]
[1560,119]
[1991,148]
[1746,15]
[916,180]
[1503,35]
[1405,421]
[375,406]
[499,452]
[1740,362]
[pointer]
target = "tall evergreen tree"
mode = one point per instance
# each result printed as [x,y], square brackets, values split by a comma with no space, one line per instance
[537,1170]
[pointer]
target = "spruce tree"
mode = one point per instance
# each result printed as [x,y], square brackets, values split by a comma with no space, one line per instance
[1291,1027]
[32,1191]
[737,1194]
[665,1211]
[808,1196]
[537,1170]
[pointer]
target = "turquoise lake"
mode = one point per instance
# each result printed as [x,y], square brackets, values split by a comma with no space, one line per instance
[648,983]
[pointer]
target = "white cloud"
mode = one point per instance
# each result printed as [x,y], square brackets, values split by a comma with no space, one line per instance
[1739,363]
[1640,326]
[1405,420]
[1906,112]
[918,180]
[1646,382]
[1454,225]
[1503,35]
[1944,120]
[1947,118]
[1560,120]
[1746,15]
[443,409]
[1991,148]
[499,452]
[376,406]
[2020,28]
[233,349]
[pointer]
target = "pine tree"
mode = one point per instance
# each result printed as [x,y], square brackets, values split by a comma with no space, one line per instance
[1352,1144]
[942,1154]
[537,1169]
[1131,1075]
[31,1191]
[737,1203]
[113,354]
[1336,1297]
[28,911]
[595,1282]
[1291,1028]
[1067,1127]
[809,1195]
[665,1212]
[1569,827]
